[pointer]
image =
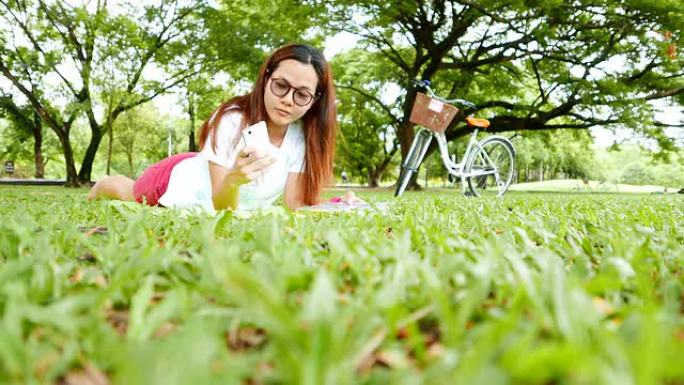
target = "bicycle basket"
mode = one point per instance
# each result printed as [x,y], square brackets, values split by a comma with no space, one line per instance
[432,113]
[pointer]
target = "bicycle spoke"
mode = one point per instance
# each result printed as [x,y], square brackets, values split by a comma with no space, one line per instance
[492,163]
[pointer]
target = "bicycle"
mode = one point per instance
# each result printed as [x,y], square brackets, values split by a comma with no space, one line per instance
[486,164]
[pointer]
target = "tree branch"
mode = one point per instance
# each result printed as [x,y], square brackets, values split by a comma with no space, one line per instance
[37,46]
[160,41]
[35,103]
[68,39]
[124,107]
[374,99]
[665,94]
[661,124]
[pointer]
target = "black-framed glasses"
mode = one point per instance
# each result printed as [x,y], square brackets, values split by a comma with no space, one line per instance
[301,97]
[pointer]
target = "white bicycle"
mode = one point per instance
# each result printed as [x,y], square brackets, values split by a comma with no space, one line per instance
[487,165]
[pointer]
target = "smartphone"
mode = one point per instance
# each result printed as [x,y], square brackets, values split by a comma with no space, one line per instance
[256,135]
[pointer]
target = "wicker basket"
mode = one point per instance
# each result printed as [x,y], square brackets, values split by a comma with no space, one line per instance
[431,113]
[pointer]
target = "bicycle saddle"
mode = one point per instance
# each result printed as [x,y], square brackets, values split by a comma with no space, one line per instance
[480,123]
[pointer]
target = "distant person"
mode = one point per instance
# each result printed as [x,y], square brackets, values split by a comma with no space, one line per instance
[344,177]
[295,96]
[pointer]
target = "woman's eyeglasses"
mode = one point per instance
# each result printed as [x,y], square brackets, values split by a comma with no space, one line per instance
[301,97]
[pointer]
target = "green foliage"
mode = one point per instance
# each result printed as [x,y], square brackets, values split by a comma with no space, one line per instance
[553,154]
[139,137]
[528,65]
[633,165]
[367,137]
[93,61]
[18,138]
[532,289]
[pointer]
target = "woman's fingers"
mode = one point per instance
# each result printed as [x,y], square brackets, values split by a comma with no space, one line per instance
[351,198]
[251,163]
[257,167]
[248,159]
[253,152]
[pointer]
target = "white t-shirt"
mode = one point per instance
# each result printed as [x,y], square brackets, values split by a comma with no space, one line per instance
[190,182]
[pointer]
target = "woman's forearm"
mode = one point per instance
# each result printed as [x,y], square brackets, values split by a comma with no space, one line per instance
[227,195]
[294,204]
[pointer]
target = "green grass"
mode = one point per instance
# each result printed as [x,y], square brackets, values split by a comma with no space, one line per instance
[591,186]
[528,289]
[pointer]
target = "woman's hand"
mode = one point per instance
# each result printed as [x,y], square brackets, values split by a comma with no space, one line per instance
[351,199]
[250,164]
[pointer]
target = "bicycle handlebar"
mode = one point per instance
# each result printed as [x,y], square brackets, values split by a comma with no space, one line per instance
[426,84]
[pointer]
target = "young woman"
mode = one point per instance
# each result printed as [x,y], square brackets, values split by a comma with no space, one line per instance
[294,95]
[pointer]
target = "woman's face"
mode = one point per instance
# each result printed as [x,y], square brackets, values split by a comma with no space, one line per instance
[288,90]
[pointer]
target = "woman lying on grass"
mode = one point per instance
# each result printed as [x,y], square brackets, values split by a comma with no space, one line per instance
[294,95]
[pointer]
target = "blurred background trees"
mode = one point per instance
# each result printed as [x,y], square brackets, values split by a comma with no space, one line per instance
[93,88]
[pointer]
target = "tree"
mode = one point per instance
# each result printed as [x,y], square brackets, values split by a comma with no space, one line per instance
[108,55]
[367,142]
[26,123]
[139,132]
[199,100]
[532,65]
[629,163]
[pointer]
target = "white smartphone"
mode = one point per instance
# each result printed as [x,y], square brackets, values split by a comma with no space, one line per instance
[256,135]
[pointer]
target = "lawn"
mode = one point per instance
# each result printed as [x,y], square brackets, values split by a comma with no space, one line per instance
[529,289]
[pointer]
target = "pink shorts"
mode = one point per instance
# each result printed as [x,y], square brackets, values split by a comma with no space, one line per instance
[152,184]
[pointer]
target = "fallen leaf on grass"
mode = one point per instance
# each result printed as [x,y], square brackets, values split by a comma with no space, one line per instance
[264,369]
[240,339]
[45,362]
[77,276]
[602,306]
[87,257]
[394,359]
[679,335]
[164,330]
[79,273]
[118,319]
[100,280]
[364,360]
[436,350]
[92,231]
[389,233]
[89,375]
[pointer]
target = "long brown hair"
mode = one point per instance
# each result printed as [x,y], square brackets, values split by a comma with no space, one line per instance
[320,121]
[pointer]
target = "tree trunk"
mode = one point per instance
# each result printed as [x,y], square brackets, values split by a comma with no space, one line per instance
[38,147]
[110,136]
[71,175]
[192,146]
[374,176]
[129,155]
[373,180]
[84,175]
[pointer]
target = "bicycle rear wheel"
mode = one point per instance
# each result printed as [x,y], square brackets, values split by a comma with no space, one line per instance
[413,159]
[493,162]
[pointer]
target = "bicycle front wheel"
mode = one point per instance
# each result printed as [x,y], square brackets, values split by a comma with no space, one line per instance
[492,164]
